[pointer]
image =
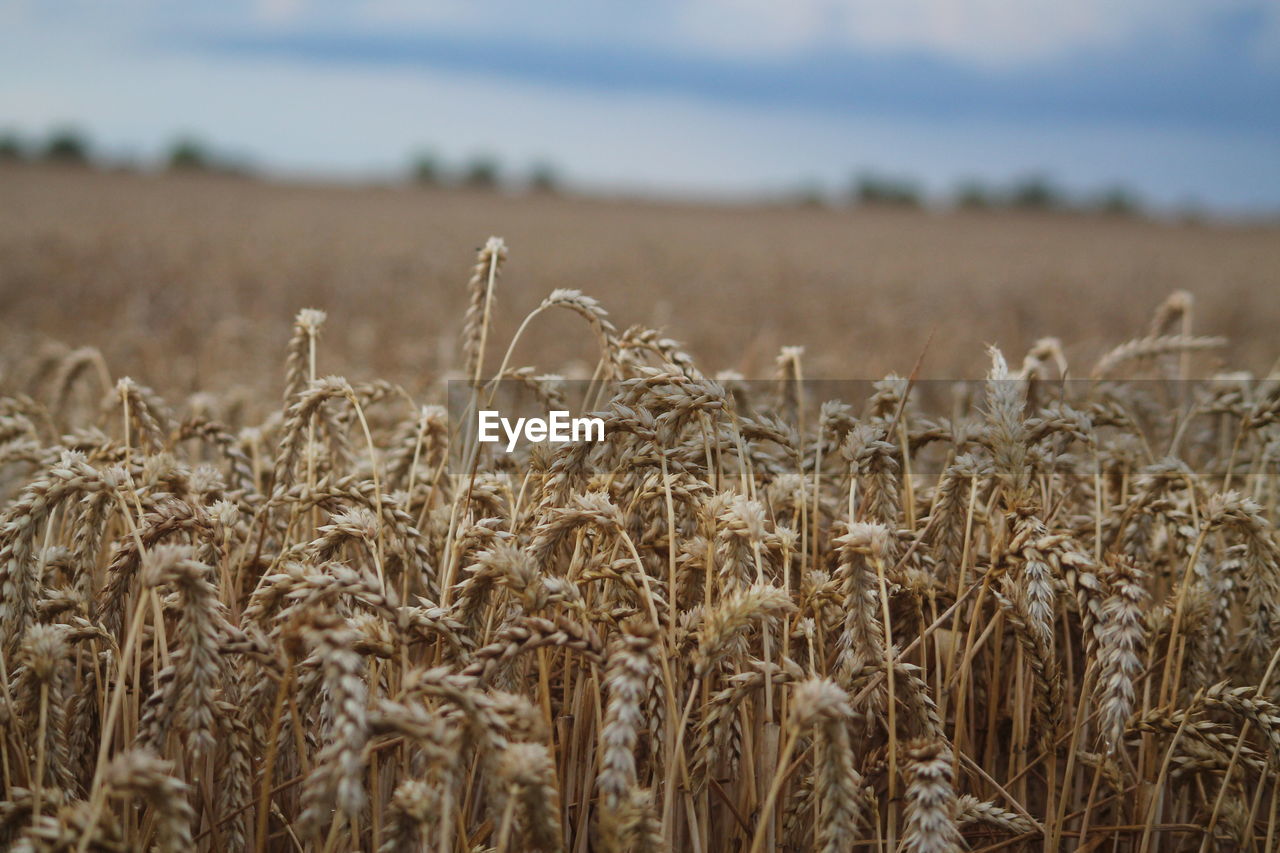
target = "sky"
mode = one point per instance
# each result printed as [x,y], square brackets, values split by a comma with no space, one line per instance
[1177,99]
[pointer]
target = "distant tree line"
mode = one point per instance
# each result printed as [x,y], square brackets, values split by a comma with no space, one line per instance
[190,154]
[187,153]
[1032,192]
[71,147]
[65,145]
[481,172]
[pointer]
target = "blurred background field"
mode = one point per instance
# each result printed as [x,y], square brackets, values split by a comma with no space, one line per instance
[190,280]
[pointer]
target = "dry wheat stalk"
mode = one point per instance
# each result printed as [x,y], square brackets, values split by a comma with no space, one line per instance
[360,646]
[475,326]
[337,782]
[1121,642]
[822,705]
[189,698]
[930,816]
[141,774]
[526,775]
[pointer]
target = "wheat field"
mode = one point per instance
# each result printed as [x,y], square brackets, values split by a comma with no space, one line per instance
[310,616]
[185,281]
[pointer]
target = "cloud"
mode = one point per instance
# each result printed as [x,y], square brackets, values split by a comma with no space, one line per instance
[279,11]
[1150,83]
[979,32]
[365,120]
[715,95]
